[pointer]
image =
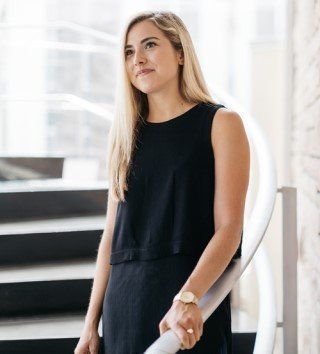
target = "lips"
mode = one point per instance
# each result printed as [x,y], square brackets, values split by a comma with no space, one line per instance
[144,72]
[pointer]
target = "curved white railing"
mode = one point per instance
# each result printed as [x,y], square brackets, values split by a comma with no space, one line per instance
[63,97]
[253,233]
[261,215]
[107,39]
[104,36]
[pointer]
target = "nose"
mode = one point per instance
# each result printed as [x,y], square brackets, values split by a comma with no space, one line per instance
[138,58]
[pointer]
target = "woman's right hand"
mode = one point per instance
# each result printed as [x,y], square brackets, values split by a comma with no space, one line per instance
[89,341]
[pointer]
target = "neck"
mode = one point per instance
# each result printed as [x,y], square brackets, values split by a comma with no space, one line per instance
[164,109]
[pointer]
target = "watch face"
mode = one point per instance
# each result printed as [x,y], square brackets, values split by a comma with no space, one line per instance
[187,296]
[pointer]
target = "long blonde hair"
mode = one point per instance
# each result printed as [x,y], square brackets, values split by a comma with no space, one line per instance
[131,105]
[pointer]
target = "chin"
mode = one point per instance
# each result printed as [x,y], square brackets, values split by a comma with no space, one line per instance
[146,90]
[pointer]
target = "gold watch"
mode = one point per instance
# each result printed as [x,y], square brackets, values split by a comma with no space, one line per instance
[187,297]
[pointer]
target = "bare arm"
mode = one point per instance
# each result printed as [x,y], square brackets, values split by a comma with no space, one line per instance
[102,269]
[232,162]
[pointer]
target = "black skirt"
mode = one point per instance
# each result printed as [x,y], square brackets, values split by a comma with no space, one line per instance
[139,294]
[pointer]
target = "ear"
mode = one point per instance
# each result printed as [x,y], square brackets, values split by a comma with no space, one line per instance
[181,58]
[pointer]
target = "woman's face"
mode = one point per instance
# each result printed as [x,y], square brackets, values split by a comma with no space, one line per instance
[148,48]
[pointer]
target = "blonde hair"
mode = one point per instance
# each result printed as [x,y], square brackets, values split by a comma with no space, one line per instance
[131,105]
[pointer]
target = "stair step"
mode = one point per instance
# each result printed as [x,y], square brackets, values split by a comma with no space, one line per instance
[52,184]
[43,327]
[38,335]
[44,288]
[50,240]
[71,223]
[70,325]
[80,269]
[51,198]
[60,334]
[30,167]
[244,329]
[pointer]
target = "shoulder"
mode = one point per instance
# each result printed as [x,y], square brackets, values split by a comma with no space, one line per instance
[227,128]
[225,118]
[220,113]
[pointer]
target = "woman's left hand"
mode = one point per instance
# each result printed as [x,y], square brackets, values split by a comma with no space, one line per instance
[181,317]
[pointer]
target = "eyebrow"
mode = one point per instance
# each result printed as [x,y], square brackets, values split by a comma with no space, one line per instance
[142,41]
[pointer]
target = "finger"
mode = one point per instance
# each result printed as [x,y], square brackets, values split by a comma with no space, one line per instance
[201,329]
[93,349]
[182,334]
[163,327]
[194,336]
[192,339]
[196,333]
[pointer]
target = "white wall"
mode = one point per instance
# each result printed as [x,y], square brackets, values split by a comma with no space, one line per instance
[305,165]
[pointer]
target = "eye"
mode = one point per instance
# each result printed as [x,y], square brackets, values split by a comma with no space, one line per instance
[129,51]
[150,43]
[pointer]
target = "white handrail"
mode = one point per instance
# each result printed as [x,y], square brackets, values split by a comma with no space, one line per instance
[66,46]
[91,107]
[106,37]
[253,233]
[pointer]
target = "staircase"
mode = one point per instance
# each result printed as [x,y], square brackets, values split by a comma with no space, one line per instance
[27,167]
[49,236]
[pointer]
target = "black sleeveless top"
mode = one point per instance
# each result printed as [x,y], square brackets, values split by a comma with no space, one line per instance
[169,202]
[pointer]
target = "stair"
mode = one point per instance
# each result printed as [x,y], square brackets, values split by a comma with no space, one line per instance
[30,167]
[56,334]
[244,330]
[45,288]
[49,236]
[39,199]
[59,334]
[50,239]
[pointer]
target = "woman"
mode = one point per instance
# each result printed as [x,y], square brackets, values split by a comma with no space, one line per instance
[177,185]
